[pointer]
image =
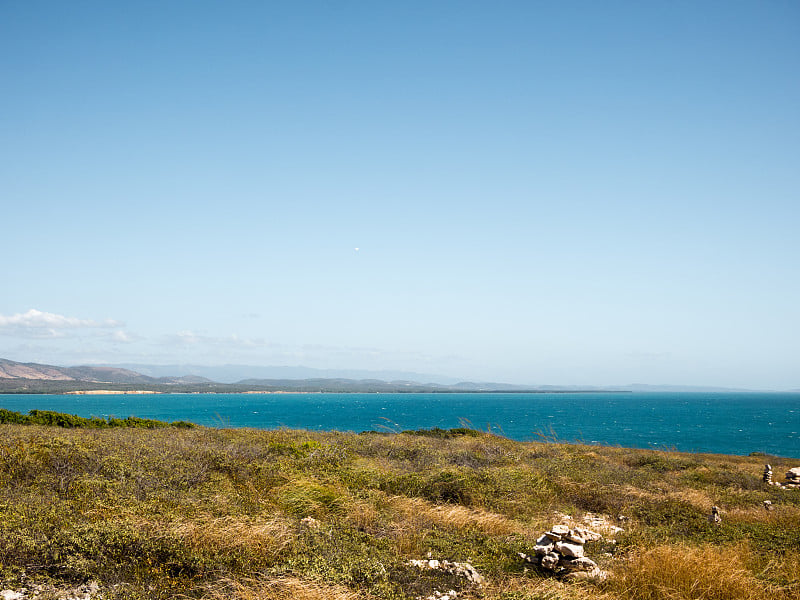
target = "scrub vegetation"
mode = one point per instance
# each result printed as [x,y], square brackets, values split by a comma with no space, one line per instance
[152,512]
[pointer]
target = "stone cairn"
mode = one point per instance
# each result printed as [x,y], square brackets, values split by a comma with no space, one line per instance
[715,518]
[560,551]
[768,474]
[792,478]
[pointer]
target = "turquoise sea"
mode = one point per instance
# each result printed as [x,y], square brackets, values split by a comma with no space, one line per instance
[726,423]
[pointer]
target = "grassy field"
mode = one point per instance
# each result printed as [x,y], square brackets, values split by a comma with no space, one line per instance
[190,512]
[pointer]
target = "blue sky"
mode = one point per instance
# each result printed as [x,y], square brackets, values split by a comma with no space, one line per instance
[531,192]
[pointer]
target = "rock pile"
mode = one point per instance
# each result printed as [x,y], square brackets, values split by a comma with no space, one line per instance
[465,570]
[768,474]
[560,551]
[458,569]
[793,478]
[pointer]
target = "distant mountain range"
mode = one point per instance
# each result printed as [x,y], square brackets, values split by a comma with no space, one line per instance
[34,377]
[236,373]
[16,377]
[10,369]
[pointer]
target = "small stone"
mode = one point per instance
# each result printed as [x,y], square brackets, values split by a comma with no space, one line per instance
[464,570]
[768,505]
[573,537]
[549,561]
[309,522]
[544,541]
[588,534]
[594,575]
[467,571]
[560,529]
[715,518]
[578,564]
[541,550]
[556,537]
[570,550]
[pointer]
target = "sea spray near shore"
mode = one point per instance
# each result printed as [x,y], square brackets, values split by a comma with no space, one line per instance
[726,423]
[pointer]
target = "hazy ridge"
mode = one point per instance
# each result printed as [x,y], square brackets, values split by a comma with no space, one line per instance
[18,377]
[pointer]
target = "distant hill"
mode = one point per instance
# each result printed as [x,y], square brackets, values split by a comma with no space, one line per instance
[233,373]
[17,377]
[10,369]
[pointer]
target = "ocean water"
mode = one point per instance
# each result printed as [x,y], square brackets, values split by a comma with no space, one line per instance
[725,423]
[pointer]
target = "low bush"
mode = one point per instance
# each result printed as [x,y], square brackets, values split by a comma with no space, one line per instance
[57,419]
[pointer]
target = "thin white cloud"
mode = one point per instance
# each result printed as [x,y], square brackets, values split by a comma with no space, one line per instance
[39,324]
[190,338]
[123,337]
[38,318]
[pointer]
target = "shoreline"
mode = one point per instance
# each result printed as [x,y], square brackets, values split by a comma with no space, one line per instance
[107,392]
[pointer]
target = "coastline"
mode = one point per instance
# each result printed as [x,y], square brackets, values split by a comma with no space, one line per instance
[109,392]
[733,424]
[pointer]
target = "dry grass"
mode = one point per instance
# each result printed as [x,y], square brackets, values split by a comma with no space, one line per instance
[280,588]
[417,513]
[215,514]
[690,573]
[787,516]
[260,536]
[527,588]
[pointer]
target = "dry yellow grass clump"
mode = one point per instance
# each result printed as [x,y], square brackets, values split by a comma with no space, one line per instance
[280,588]
[681,572]
[418,514]
[266,537]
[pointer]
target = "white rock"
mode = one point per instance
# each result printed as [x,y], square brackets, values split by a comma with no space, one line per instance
[560,529]
[570,550]
[467,571]
[549,561]
[541,549]
[594,575]
[11,595]
[573,537]
[578,564]
[543,541]
[588,534]
[309,522]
